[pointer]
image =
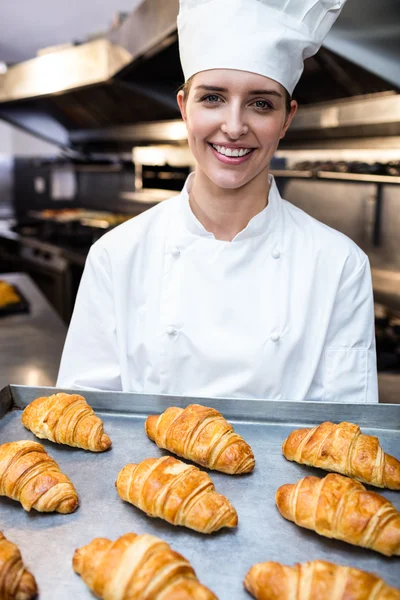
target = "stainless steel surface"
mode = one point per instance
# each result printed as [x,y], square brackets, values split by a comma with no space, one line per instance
[347,207]
[355,143]
[6,186]
[377,115]
[367,33]
[63,70]
[389,252]
[351,208]
[355,177]
[148,195]
[39,253]
[47,265]
[292,173]
[359,177]
[163,154]
[221,560]
[160,131]
[386,286]
[87,85]
[30,344]
[389,387]
[147,27]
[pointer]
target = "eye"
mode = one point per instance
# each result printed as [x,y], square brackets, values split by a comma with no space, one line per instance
[263,105]
[210,99]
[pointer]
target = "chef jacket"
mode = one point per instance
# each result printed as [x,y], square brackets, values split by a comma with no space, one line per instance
[283,312]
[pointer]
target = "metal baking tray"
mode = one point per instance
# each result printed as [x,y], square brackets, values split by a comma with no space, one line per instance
[48,541]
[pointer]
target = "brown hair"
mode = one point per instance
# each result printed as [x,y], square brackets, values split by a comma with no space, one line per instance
[185,88]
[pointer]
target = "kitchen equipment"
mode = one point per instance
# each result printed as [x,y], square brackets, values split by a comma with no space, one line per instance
[221,560]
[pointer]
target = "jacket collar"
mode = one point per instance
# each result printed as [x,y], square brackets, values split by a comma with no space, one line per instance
[260,224]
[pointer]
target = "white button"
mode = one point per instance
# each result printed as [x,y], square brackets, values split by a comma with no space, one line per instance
[275,337]
[276,253]
[175,252]
[171,330]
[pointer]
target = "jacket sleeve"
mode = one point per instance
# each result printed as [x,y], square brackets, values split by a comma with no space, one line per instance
[90,358]
[349,357]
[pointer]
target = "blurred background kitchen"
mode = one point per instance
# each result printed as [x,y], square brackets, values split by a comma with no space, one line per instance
[90,136]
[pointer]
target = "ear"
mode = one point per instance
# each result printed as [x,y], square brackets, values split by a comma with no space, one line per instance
[293,110]
[180,97]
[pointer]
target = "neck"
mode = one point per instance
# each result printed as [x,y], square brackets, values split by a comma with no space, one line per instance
[225,212]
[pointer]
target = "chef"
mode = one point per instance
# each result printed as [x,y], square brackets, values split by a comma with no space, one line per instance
[227,290]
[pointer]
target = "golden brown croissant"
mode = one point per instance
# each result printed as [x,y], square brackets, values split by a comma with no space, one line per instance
[341,508]
[316,580]
[344,449]
[201,434]
[137,567]
[179,493]
[30,476]
[66,419]
[16,583]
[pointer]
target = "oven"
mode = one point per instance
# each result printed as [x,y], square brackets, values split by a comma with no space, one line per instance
[49,269]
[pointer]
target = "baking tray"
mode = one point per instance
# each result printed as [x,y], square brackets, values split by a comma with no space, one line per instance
[48,541]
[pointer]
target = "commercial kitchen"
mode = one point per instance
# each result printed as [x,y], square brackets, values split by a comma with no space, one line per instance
[109,105]
[91,137]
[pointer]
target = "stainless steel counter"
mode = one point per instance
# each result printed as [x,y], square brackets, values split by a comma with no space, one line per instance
[30,344]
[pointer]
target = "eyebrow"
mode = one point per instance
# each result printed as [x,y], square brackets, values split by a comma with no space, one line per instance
[213,88]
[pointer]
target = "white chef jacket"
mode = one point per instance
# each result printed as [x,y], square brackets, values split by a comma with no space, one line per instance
[283,312]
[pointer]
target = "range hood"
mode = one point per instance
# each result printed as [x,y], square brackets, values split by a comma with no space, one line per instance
[129,76]
[92,96]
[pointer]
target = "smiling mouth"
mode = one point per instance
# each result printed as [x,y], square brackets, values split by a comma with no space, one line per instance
[231,152]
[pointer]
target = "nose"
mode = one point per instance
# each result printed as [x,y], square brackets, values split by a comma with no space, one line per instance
[234,125]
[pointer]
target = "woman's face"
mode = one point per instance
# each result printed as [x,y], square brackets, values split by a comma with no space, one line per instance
[234,120]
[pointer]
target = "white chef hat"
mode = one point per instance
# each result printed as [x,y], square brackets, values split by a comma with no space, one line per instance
[268,37]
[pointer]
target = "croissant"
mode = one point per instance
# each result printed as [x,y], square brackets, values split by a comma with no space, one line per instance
[179,493]
[66,419]
[28,474]
[16,583]
[137,567]
[344,449]
[341,508]
[317,580]
[201,435]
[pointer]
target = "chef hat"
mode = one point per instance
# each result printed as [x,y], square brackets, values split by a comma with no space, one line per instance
[268,37]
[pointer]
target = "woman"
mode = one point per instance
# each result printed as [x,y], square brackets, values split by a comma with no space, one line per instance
[228,290]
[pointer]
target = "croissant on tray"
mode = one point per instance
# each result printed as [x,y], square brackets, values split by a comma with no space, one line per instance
[16,583]
[30,476]
[137,567]
[341,508]
[66,419]
[179,493]
[344,449]
[318,580]
[202,435]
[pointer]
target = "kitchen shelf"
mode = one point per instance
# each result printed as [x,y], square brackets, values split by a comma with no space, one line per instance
[332,175]
[148,195]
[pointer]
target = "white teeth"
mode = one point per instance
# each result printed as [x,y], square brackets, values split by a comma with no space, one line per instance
[229,152]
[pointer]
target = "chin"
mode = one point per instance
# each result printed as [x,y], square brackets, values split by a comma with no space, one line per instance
[229,181]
